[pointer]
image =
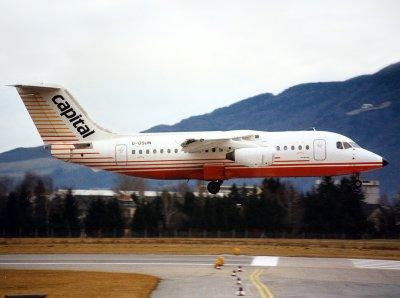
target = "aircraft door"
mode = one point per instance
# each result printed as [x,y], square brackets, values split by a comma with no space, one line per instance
[121,154]
[319,149]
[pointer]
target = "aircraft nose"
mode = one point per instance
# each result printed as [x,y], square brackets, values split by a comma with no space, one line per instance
[384,162]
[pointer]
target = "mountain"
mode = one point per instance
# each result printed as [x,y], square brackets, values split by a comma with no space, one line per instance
[365,108]
[17,162]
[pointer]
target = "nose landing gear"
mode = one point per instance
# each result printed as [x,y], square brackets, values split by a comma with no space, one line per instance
[213,187]
[357,183]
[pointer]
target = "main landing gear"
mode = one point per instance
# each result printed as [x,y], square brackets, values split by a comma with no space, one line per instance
[213,187]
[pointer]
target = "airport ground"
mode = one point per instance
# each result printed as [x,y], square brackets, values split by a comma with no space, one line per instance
[377,248]
[67,283]
[271,267]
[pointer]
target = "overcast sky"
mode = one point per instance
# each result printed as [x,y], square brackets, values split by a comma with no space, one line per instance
[136,64]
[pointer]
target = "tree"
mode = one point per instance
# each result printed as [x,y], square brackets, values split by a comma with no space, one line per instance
[71,214]
[252,211]
[334,209]
[40,209]
[274,205]
[11,215]
[24,205]
[148,216]
[6,184]
[114,222]
[94,221]
[57,224]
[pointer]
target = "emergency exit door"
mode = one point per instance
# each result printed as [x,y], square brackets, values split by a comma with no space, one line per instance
[319,149]
[121,154]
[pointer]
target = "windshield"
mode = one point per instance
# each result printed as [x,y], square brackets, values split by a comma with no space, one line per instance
[347,145]
[354,145]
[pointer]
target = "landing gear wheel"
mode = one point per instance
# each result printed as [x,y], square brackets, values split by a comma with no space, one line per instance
[357,183]
[213,187]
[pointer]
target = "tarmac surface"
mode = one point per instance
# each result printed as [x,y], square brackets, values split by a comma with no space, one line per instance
[262,276]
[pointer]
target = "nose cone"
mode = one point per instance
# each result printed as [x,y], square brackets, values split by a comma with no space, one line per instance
[384,162]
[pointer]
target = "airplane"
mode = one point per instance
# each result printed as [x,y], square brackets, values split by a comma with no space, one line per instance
[212,156]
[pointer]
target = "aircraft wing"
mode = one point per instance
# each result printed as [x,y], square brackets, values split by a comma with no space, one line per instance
[229,139]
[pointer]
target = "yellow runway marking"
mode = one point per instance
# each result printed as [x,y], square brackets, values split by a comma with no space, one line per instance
[262,288]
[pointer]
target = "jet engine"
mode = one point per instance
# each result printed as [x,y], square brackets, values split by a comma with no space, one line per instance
[253,157]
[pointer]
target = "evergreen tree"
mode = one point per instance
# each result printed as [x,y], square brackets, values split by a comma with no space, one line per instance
[11,215]
[113,221]
[235,195]
[252,211]
[40,209]
[274,205]
[57,224]
[192,208]
[139,219]
[94,221]
[210,214]
[24,205]
[71,214]
[351,216]
[149,216]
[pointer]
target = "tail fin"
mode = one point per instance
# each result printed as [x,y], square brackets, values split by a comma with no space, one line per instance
[57,116]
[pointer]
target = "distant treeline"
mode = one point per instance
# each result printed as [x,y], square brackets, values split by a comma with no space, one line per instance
[270,209]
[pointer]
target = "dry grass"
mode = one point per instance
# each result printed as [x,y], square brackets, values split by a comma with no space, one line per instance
[382,249]
[57,283]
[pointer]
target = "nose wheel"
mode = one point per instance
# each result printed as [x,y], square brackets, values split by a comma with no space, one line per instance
[357,183]
[213,187]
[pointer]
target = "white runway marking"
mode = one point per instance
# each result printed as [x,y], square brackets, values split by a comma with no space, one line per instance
[265,261]
[376,264]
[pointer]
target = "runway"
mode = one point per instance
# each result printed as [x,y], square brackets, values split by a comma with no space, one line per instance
[263,276]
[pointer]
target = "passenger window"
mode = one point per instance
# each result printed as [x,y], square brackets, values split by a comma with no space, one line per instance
[140,151]
[300,147]
[161,151]
[168,150]
[285,148]
[213,149]
[339,145]
[206,150]
[176,150]
[278,148]
[346,145]
[307,147]
[133,151]
[220,149]
[155,151]
[292,148]
[257,136]
[147,151]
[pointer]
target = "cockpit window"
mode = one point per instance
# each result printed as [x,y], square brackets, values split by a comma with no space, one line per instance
[354,145]
[339,145]
[346,145]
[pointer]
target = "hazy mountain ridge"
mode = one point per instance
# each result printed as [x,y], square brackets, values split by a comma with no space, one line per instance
[322,105]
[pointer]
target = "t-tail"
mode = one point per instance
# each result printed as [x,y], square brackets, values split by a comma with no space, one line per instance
[58,118]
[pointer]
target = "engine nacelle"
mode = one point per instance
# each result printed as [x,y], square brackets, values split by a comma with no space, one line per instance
[253,157]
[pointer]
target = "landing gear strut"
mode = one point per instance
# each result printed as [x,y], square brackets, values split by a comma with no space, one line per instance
[213,187]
